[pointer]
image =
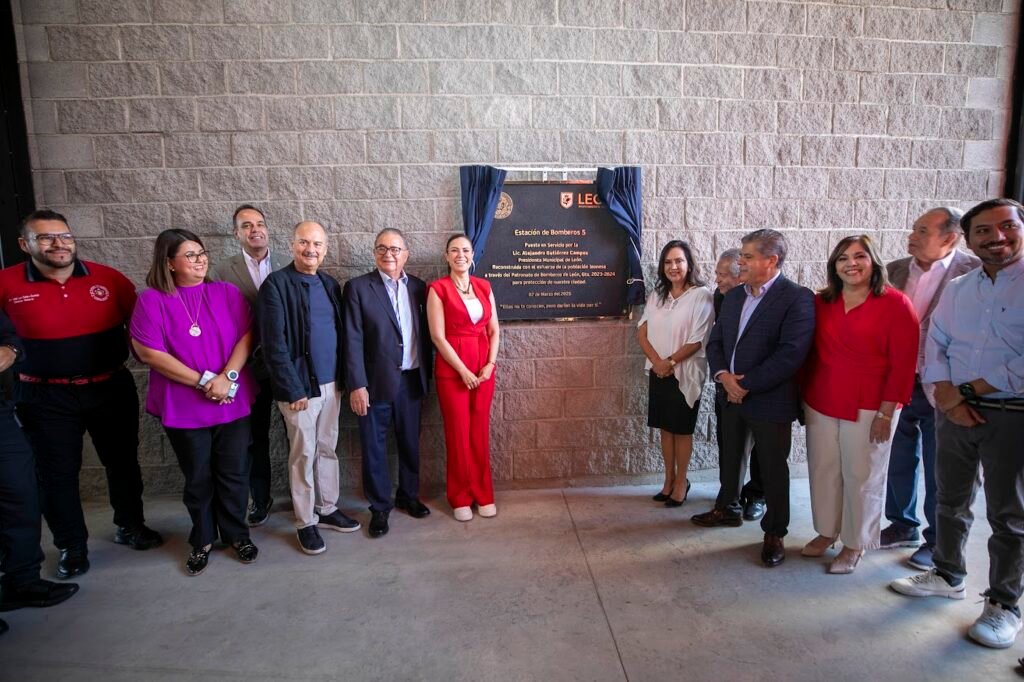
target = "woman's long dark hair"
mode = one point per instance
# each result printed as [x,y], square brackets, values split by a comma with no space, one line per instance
[167,244]
[663,286]
[879,278]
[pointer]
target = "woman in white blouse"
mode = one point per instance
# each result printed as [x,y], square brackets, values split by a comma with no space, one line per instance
[673,333]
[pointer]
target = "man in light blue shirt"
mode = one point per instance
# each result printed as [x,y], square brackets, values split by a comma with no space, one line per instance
[974,357]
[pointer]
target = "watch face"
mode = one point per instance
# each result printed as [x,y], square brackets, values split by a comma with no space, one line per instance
[966,390]
[232,375]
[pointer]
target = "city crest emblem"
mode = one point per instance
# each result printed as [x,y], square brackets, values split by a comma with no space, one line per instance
[99,293]
[566,198]
[504,208]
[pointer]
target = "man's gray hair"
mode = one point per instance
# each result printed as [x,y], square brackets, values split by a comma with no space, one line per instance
[953,216]
[731,256]
[391,230]
[769,243]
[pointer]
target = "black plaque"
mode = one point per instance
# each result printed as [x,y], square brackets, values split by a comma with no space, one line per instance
[555,251]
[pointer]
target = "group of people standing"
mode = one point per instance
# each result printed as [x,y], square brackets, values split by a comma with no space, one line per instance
[918,364]
[889,367]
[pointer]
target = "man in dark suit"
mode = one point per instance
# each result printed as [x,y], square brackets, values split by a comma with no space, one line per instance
[247,271]
[933,262]
[387,369]
[727,276]
[755,350]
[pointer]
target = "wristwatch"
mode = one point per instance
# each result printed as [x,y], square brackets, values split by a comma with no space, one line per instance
[232,375]
[967,390]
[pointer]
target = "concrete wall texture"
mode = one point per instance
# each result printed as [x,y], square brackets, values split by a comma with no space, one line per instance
[818,118]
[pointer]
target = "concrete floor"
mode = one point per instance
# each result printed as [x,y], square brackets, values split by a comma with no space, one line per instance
[574,584]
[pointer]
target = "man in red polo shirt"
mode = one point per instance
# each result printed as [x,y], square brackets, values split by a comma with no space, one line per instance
[71,317]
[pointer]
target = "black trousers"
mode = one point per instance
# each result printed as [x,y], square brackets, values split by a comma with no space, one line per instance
[752,489]
[55,420]
[215,461]
[259,449]
[404,413]
[773,441]
[20,554]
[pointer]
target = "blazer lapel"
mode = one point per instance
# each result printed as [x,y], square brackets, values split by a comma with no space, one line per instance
[900,273]
[243,278]
[377,285]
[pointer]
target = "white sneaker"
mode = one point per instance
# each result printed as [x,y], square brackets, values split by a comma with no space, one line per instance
[463,514]
[487,510]
[929,584]
[996,627]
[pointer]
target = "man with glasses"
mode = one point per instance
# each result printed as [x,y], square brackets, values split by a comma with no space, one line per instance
[71,316]
[247,271]
[387,352]
[299,311]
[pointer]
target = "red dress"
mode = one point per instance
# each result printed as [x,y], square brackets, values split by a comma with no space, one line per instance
[466,413]
[862,357]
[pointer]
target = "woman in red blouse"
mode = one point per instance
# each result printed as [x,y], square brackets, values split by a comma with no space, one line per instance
[860,372]
[464,327]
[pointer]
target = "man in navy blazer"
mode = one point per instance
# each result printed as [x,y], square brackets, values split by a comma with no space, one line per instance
[757,346]
[387,369]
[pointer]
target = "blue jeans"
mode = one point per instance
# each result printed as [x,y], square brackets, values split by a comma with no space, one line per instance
[913,442]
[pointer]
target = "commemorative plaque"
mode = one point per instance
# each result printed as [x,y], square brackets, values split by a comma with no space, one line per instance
[555,251]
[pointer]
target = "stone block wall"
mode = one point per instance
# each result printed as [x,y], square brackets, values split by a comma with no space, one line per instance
[818,118]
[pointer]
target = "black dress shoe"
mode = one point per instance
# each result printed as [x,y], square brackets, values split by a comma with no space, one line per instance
[73,561]
[378,523]
[753,509]
[139,537]
[412,507]
[717,517]
[246,551]
[38,593]
[660,497]
[773,552]
[259,512]
[672,502]
[197,561]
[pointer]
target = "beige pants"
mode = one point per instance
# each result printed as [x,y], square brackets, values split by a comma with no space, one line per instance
[847,475]
[312,459]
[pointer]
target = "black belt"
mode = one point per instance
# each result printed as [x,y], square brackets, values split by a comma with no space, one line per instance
[1010,405]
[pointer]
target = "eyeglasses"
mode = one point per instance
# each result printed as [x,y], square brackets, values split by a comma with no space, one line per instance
[49,238]
[393,250]
[193,257]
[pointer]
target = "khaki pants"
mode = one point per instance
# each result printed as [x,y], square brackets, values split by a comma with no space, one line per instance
[312,460]
[847,476]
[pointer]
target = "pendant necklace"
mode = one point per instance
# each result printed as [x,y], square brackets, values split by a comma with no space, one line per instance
[464,292]
[194,330]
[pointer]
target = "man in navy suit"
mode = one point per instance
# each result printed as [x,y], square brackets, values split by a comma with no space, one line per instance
[387,369]
[756,348]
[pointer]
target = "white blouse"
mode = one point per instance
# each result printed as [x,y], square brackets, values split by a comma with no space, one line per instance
[679,322]
[475,309]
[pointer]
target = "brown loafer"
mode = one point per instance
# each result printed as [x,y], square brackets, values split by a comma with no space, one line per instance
[773,552]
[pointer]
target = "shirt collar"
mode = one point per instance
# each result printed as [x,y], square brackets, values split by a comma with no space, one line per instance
[943,263]
[252,261]
[1012,270]
[404,278]
[32,273]
[764,287]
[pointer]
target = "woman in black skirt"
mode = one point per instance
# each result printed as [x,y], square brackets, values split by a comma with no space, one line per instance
[673,333]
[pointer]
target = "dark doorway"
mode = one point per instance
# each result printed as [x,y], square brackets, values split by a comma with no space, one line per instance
[1014,185]
[16,196]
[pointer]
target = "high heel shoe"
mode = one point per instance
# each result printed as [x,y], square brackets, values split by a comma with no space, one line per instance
[660,497]
[846,562]
[818,546]
[670,502]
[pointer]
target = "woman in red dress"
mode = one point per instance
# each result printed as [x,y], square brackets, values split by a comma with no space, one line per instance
[860,372]
[464,328]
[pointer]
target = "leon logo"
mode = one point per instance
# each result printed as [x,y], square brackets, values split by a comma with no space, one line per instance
[504,208]
[99,292]
[566,199]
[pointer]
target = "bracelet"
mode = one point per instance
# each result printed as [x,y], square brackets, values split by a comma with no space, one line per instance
[882,415]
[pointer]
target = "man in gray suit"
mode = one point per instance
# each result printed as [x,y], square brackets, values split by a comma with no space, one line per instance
[247,271]
[934,261]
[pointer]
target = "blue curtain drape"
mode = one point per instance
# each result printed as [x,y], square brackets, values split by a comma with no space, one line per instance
[481,189]
[619,189]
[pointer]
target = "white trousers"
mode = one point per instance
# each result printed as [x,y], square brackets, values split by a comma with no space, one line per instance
[312,457]
[847,476]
